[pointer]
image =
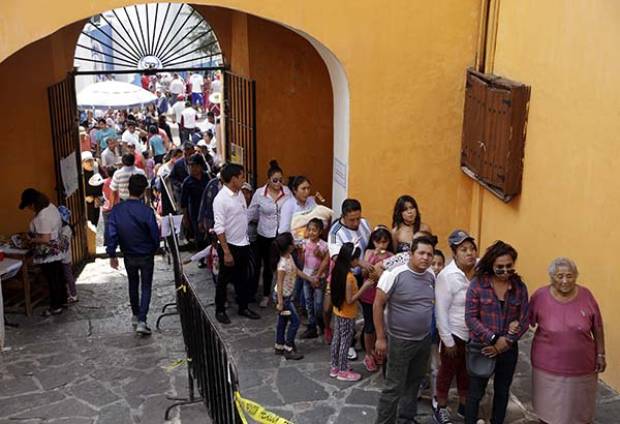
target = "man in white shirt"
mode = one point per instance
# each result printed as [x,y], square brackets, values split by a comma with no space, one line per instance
[350,228]
[165,81]
[120,180]
[231,227]
[177,86]
[132,136]
[177,108]
[110,157]
[188,122]
[450,292]
[197,81]
[216,85]
[208,124]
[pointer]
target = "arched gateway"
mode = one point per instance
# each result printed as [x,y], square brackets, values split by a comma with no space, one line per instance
[162,37]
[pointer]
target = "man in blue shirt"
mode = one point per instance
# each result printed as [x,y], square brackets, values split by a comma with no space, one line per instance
[205,214]
[161,103]
[133,226]
[191,195]
[180,170]
[106,130]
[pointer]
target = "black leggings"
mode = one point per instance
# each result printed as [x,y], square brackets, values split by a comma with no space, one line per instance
[265,253]
[54,274]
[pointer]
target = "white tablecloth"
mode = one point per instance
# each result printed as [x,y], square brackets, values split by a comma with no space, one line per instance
[9,268]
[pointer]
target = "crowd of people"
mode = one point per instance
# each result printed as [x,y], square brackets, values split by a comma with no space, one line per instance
[422,317]
[425,315]
[117,145]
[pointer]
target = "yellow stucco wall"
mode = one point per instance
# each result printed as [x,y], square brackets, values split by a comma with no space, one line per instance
[28,159]
[570,204]
[405,67]
[405,62]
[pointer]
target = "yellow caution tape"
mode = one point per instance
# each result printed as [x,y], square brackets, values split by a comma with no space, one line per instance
[256,412]
[175,364]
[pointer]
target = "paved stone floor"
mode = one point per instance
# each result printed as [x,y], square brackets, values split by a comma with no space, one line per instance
[87,366]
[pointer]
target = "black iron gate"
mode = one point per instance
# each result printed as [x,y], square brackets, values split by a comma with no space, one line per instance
[240,122]
[65,142]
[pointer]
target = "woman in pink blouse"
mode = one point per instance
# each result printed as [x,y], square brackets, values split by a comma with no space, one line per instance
[568,350]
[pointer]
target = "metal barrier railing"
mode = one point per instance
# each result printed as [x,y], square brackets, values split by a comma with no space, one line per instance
[208,363]
[168,206]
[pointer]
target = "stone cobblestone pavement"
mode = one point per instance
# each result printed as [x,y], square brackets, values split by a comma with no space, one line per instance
[88,367]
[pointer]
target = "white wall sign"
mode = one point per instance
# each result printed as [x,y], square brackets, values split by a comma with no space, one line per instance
[340,173]
[69,174]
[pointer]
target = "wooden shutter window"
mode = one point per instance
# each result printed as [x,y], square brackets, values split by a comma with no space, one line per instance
[494,127]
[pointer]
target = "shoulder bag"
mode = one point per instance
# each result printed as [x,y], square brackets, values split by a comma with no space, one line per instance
[478,364]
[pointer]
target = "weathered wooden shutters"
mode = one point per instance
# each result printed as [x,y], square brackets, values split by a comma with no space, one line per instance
[65,141]
[240,122]
[494,126]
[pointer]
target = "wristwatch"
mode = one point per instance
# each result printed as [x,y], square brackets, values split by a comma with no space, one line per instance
[494,338]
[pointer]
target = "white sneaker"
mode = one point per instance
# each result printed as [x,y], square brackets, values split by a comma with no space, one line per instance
[134,321]
[352,354]
[142,329]
[264,302]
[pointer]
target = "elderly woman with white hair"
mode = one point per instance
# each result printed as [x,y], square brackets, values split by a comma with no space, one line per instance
[568,350]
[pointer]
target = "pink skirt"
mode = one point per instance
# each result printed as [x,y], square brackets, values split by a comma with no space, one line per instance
[564,400]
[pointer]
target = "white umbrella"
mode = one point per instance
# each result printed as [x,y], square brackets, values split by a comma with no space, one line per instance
[113,94]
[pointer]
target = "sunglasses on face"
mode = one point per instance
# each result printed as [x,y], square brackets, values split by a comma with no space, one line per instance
[276,180]
[502,271]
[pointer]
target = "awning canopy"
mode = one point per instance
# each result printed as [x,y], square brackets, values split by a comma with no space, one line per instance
[113,94]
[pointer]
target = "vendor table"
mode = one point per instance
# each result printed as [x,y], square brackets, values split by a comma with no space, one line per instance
[15,264]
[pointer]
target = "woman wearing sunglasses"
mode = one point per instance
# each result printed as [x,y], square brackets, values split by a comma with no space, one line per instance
[496,313]
[265,209]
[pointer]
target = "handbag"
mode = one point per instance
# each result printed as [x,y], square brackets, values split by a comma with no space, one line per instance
[41,251]
[478,364]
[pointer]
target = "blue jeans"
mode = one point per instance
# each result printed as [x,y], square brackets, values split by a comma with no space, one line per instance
[282,321]
[298,292]
[314,305]
[140,274]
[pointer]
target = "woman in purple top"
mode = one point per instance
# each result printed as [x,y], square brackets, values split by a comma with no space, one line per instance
[568,350]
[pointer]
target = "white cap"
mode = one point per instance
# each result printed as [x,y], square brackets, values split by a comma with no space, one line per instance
[87,156]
